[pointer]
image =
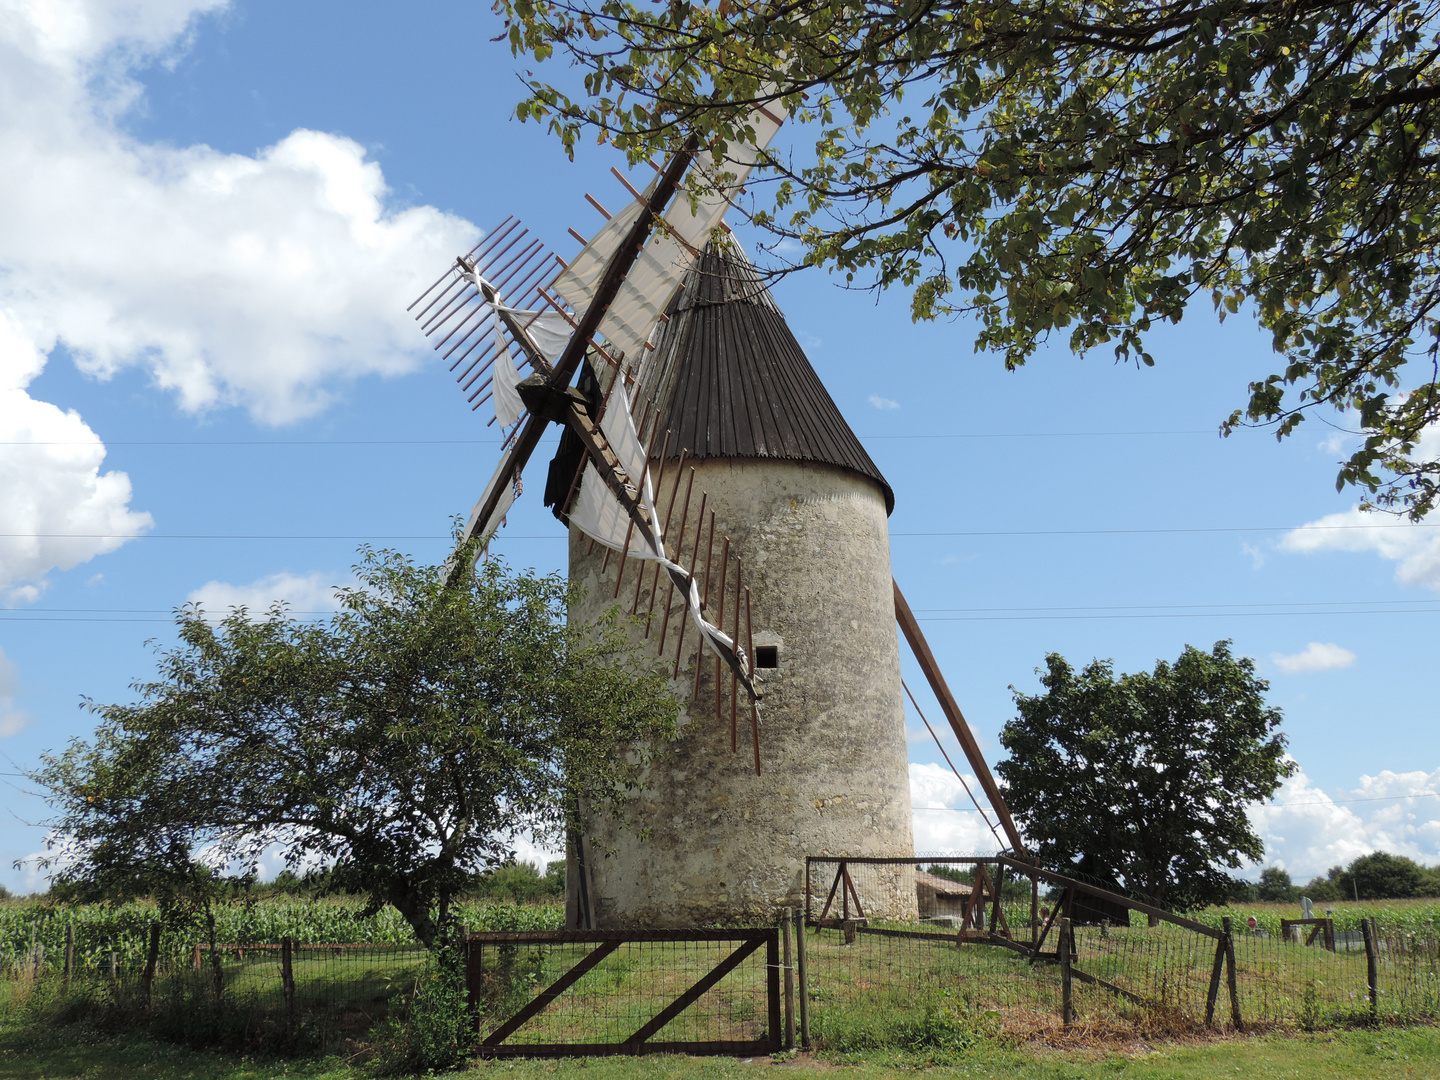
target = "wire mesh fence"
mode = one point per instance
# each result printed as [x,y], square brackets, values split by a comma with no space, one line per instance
[255,995]
[1035,950]
[607,992]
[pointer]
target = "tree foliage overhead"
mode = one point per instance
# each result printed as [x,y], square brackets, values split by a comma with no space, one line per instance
[1079,167]
[1144,779]
[405,742]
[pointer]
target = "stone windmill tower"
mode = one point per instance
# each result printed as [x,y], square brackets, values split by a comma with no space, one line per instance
[799,511]
[709,482]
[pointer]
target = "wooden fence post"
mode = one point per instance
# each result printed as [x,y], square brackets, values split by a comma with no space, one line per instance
[1067,1007]
[474,976]
[152,958]
[1372,974]
[114,966]
[1034,913]
[1215,973]
[787,928]
[287,977]
[804,985]
[69,953]
[1231,978]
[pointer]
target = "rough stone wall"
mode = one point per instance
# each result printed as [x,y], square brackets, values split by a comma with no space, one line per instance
[723,843]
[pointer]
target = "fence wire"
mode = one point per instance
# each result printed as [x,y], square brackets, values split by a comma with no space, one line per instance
[997,955]
[637,991]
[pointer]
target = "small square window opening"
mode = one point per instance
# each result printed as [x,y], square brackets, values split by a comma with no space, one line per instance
[767,656]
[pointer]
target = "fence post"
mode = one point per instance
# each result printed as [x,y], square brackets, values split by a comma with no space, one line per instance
[1215,972]
[114,966]
[787,931]
[1372,974]
[1231,978]
[474,976]
[1034,913]
[287,976]
[152,958]
[69,953]
[804,985]
[1067,1008]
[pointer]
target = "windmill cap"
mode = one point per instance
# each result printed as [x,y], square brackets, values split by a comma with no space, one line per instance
[731,381]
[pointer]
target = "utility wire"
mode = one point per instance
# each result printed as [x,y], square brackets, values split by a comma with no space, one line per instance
[563,536]
[496,442]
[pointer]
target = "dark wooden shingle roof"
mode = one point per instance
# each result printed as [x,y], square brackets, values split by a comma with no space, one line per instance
[731,381]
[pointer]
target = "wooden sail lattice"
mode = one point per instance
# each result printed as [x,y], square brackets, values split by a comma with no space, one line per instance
[523,271]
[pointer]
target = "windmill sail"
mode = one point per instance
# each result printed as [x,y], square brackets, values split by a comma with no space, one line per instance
[610,301]
[673,248]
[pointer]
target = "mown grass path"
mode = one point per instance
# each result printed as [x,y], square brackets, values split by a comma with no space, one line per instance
[72,1053]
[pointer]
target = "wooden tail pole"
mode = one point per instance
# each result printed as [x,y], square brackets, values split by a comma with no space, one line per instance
[921,648]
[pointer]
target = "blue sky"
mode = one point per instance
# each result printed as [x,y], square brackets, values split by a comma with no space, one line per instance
[211,220]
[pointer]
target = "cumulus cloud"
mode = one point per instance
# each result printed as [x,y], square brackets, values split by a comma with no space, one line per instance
[1416,548]
[59,509]
[1317,656]
[939,828]
[304,594]
[883,403]
[1306,830]
[259,281]
[12,720]
[262,281]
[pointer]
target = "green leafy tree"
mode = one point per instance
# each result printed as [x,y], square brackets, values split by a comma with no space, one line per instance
[522,883]
[1381,876]
[406,741]
[1144,779]
[1276,887]
[1077,168]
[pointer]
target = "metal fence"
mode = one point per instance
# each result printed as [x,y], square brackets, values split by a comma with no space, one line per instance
[1034,950]
[564,993]
[272,994]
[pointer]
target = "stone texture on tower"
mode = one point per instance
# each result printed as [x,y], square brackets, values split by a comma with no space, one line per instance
[805,509]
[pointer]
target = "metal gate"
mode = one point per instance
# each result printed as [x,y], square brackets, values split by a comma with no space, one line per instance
[563,993]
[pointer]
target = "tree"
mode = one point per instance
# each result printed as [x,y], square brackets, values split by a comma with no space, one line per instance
[1276,887]
[1380,876]
[1144,779]
[405,741]
[1079,168]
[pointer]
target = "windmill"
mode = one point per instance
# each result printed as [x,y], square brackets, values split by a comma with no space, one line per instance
[713,489]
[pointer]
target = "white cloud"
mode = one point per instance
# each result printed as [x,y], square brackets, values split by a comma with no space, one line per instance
[264,282]
[934,790]
[259,281]
[12,720]
[1317,656]
[1415,547]
[306,594]
[59,509]
[1306,830]
[883,403]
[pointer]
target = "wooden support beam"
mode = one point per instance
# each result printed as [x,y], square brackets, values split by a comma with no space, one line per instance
[921,648]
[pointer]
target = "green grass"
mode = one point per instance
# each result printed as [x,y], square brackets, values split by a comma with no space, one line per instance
[74,1053]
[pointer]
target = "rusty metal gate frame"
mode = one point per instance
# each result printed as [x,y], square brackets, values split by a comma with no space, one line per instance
[747,942]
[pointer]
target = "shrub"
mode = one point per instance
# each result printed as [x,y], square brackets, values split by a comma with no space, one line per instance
[433,1031]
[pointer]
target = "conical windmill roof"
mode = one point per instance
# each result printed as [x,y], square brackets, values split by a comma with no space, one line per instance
[730,381]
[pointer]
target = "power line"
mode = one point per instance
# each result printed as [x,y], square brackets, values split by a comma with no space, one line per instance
[1275,805]
[1184,615]
[25,616]
[563,536]
[1163,607]
[1208,529]
[496,442]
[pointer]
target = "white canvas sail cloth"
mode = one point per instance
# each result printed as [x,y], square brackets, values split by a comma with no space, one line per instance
[672,248]
[549,331]
[599,514]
